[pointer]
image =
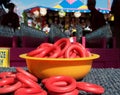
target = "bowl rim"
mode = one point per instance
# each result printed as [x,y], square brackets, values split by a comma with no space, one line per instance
[93,56]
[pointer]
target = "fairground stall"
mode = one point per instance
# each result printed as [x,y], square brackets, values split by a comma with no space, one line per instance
[48,21]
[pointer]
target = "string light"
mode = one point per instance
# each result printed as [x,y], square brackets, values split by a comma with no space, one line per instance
[77,14]
[43,11]
[62,13]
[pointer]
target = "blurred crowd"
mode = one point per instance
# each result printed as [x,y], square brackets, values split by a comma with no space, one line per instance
[88,21]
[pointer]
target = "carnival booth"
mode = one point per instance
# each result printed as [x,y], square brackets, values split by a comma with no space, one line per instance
[58,18]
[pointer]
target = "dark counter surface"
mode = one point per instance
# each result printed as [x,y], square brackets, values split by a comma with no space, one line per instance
[108,78]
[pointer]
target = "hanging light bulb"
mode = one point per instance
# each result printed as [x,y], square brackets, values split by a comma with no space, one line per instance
[35,11]
[43,11]
[61,13]
[77,14]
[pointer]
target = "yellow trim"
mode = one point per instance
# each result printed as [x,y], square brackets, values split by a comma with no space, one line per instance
[57,6]
[83,7]
[94,56]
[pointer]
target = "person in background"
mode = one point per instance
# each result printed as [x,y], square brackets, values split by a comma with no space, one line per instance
[83,23]
[11,19]
[97,18]
[46,28]
[67,31]
[3,3]
[73,37]
[115,10]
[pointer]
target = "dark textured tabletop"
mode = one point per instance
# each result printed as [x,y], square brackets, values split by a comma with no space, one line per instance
[108,78]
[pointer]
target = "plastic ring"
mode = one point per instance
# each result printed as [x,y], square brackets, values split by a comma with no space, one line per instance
[27,81]
[35,52]
[74,92]
[45,45]
[89,87]
[71,84]
[10,88]
[6,81]
[78,49]
[27,74]
[63,43]
[26,91]
[5,74]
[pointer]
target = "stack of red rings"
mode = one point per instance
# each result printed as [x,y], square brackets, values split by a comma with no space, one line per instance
[62,48]
[20,83]
[64,85]
[61,85]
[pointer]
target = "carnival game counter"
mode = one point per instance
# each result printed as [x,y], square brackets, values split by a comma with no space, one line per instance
[108,78]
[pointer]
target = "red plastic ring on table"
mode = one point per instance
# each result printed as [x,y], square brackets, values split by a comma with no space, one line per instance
[27,81]
[74,92]
[71,84]
[27,91]
[10,88]
[19,69]
[61,42]
[59,83]
[6,81]
[44,81]
[78,49]
[5,74]
[89,87]
[13,75]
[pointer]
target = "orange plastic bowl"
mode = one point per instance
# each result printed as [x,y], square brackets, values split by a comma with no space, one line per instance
[47,67]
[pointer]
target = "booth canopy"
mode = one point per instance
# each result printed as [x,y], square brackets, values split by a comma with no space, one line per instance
[66,5]
[71,6]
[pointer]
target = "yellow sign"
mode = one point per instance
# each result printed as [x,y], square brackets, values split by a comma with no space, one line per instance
[4,57]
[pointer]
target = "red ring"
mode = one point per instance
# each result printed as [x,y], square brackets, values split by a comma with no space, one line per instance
[27,74]
[56,52]
[45,45]
[71,84]
[59,83]
[46,52]
[20,92]
[60,43]
[73,54]
[27,81]
[74,92]
[5,74]
[35,52]
[11,88]
[88,54]
[89,87]
[78,49]
[44,81]
[26,91]
[6,81]
[79,44]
